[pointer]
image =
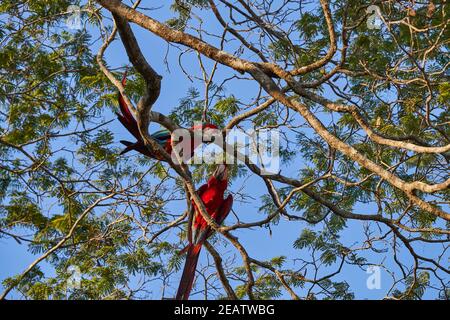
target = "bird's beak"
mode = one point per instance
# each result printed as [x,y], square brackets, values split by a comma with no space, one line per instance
[221,172]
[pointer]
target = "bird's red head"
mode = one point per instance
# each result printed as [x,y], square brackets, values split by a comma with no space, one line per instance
[221,172]
[204,126]
[219,178]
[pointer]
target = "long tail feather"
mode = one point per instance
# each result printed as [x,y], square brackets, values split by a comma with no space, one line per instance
[187,279]
[129,146]
[127,143]
[124,121]
[136,146]
[127,118]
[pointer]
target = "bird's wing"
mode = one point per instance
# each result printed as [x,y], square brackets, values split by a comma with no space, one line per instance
[161,136]
[224,209]
[202,189]
[129,146]
[219,216]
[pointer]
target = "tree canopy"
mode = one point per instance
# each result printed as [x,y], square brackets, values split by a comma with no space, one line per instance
[360,96]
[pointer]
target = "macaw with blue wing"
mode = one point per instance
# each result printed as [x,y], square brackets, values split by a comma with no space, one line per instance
[162,137]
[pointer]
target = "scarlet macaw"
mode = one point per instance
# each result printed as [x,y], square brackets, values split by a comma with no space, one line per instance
[162,137]
[218,208]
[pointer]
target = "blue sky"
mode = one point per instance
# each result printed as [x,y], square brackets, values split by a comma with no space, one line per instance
[14,258]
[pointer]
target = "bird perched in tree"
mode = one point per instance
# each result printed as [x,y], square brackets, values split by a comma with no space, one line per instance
[212,195]
[162,137]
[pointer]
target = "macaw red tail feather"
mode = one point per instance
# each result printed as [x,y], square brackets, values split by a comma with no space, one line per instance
[130,126]
[129,146]
[127,118]
[187,279]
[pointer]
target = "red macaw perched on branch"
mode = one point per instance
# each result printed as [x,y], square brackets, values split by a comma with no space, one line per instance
[162,137]
[218,208]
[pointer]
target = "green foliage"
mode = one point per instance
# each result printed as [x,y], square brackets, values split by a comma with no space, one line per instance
[307,238]
[22,211]
[228,106]
[184,10]
[444,93]
[415,287]
[308,25]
